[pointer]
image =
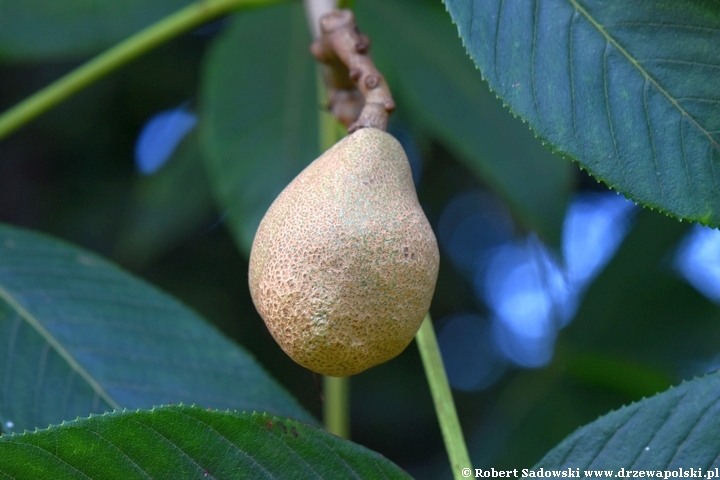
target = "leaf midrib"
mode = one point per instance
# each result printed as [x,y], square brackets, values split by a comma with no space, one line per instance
[647,76]
[57,346]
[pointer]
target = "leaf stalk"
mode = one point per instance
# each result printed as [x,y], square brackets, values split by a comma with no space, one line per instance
[442,398]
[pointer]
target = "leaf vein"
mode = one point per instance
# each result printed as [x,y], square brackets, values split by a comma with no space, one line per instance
[634,62]
[532,59]
[497,37]
[39,382]
[349,467]
[8,359]
[106,440]
[694,427]
[569,452]
[67,390]
[662,25]
[652,137]
[45,450]
[680,62]
[570,70]
[700,99]
[667,417]
[608,113]
[616,431]
[55,344]
[169,442]
[688,181]
[227,441]
[472,25]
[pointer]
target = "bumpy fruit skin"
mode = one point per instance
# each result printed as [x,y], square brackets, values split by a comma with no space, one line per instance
[344,264]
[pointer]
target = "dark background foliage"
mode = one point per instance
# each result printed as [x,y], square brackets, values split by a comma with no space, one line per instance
[639,328]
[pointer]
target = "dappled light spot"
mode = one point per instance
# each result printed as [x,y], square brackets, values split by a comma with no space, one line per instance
[594,227]
[160,137]
[532,294]
[528,294]
[698,261]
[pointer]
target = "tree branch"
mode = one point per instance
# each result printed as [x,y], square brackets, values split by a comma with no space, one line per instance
[358,94]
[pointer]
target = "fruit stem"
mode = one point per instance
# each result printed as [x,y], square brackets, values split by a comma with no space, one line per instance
[442,397]
[337,406]
[358,94]
[138,44]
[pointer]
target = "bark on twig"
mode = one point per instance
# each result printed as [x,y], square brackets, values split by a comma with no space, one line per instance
[358,93]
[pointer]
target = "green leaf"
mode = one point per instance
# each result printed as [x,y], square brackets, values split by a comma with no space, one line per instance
[628,89]
[187,442]
[437,83]
[679,428]
[39,29]
[78,335]
[258,113]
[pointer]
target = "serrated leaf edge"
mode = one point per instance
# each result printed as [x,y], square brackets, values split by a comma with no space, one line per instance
[635,404]
[566,155]
[155,408]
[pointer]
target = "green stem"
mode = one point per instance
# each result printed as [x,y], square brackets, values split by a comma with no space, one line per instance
[442,397]
[156,34]
[337,406]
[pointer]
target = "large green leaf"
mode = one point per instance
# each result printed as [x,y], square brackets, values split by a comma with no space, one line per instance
[259,112]
[629,89]
[37,29]
[78,335]
[434,80]
[187,442]
[679,428]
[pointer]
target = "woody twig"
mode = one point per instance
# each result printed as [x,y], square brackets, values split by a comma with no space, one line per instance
[358,94]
